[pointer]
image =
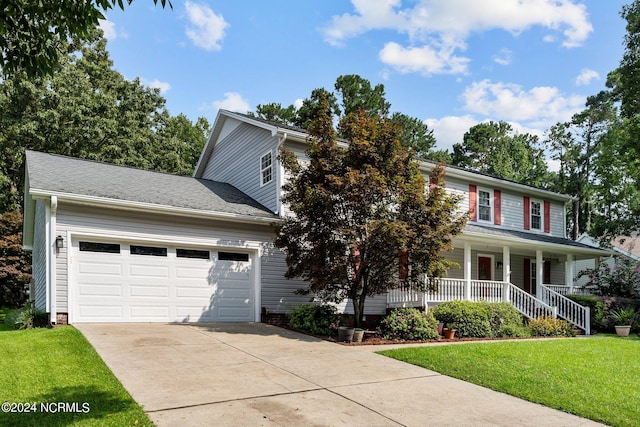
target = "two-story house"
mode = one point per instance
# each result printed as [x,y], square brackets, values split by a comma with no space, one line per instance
[117,244]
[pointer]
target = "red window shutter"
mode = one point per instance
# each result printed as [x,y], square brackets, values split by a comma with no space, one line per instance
[497,213]
[547,217]
[473,202]
[547,272]
[527,213]
[403,268]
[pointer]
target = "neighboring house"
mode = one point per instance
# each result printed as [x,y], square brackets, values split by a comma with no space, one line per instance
[117,244]
[627,247]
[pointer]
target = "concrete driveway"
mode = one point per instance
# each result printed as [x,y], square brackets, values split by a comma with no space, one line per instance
[261,375]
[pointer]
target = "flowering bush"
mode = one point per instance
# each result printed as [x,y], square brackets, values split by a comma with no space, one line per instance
[550,327]
[315,319]
[622,280]
[409,324]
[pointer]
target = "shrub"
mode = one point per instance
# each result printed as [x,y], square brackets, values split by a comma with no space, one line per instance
[29,317]
[596,310]
[505,320]
[409,324]
[623,279]
[511,330]
[550,327]
[315,319]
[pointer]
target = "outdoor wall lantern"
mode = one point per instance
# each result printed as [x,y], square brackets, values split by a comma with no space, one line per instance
[59,242]
[499,264]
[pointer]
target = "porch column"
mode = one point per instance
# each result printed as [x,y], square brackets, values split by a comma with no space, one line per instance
[467,271]
[506,272]
[539,270]
[569,266]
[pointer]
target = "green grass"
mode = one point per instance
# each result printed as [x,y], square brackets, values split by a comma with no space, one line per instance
[596,378]
[59,365]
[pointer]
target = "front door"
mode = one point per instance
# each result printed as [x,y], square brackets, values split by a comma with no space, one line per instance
[484,268]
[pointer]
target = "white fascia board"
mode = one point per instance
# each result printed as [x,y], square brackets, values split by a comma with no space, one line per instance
[526,243]
[481,179]
[150,207]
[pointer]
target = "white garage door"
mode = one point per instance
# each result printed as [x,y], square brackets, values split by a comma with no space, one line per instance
[130,282]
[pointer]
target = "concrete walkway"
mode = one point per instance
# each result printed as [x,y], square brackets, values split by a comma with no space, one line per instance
[261,375]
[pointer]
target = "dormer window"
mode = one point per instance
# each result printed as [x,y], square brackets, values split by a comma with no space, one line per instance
[484,205]
[266,169]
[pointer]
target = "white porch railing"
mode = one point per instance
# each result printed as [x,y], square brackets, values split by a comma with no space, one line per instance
[567,309]
[566,290]
[551,303]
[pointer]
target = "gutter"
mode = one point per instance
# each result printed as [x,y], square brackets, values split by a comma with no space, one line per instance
[280,178]
[150,207]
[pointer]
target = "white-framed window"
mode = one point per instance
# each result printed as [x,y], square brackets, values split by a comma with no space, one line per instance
[266,168]
[536,215]
[485,205]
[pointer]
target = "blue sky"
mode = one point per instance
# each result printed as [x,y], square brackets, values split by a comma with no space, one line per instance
[451,63]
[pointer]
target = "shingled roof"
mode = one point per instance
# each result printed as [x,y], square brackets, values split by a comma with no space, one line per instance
[59,175]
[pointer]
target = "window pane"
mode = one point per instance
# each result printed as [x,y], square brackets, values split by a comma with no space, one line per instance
[192,253]
[111,248]
[484,205]
[266,168]
[233,256]
[536,218]
[148,250]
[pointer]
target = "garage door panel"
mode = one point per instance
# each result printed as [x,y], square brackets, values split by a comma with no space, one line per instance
[101,289]
[148,291]
[100,268]
[132,287]
[148,313]
[154,271]
[99,312]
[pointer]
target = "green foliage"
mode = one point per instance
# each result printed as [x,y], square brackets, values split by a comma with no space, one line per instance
[594,378]
[33,33]
[510,330]
[493,148]
[59,365]
[357,207]
[621,280]
[315,319]
[550,327]
[624,316]
[479,319]
[89,110]
[29,317]
[596,310]
[15,263]
[409,324]
[470,319]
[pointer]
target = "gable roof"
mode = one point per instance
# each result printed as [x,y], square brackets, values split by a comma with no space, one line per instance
[90,182]
[284,131]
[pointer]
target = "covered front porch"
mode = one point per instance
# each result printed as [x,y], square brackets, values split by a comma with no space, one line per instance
[533,272]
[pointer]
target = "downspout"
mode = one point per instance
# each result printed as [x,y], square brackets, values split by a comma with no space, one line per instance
[52,253]
[280,183]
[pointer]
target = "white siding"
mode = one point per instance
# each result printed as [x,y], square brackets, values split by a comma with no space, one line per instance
[236,160]
[39,255]
[277,293]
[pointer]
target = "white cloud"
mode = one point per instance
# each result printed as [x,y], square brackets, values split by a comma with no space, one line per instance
[298,103]
[436,29]
[424,60]
[109,29]
[207,29]
[586,76]
[503,57]
[541,106]
[233,101]
[450,130]
[157,84]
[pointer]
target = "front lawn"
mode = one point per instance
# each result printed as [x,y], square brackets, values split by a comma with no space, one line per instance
[596,378]
[59,371]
